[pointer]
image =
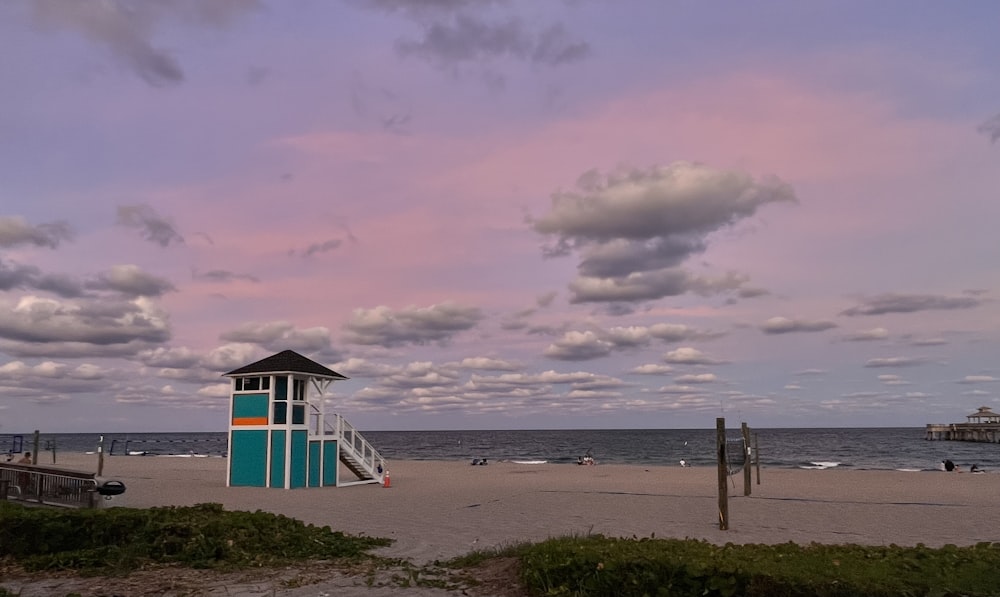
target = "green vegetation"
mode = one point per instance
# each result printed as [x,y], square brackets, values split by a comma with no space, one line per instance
[204,536]
[595,565]
[120,540]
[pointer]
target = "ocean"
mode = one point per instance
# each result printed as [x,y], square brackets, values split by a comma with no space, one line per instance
[902,448]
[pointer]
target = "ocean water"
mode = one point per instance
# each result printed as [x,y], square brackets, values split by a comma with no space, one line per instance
[901,448]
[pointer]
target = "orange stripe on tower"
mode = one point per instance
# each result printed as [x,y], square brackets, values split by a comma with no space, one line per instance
[250,421]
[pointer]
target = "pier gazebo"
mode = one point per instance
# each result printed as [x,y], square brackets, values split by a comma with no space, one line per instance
[981,426]
[984,415]
[280,433]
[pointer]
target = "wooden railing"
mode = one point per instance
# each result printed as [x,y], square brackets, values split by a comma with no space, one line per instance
[48,485]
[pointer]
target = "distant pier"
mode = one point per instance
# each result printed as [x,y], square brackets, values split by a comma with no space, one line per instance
[964,432]
[982,426]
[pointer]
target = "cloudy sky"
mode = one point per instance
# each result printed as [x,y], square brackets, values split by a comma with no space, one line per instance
[501,214]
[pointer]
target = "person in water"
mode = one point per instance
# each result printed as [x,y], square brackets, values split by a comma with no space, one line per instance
[949,466]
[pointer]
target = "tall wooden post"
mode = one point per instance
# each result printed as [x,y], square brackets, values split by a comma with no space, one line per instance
[746,459]
[51,445]
[100,456]
[34,451]
[720,444]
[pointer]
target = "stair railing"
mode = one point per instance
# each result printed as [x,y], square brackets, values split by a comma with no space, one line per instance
[358,447]
[351,442]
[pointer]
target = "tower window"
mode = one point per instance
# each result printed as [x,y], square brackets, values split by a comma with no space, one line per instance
[252,384]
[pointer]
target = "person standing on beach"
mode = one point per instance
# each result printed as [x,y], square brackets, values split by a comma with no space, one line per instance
[23,478]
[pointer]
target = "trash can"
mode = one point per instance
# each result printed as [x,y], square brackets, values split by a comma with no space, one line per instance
[110,492]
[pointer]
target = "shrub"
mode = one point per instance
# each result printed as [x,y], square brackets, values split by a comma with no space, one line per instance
[201,536]
[596,565]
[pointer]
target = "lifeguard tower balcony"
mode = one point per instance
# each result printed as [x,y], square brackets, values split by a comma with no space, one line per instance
[280,434]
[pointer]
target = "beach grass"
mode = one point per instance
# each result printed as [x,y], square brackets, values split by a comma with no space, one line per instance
[572,530]
[118,541]
[597,566]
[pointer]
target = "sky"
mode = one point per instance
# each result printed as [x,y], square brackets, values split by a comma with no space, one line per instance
[496,214]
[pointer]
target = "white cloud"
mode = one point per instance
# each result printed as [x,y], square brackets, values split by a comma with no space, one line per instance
[972,379]
[866,335]
[689,356]
[696,378]
[651,369]
[578,346]
[894,362]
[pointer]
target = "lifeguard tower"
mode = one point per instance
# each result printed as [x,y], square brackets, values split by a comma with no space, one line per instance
[280,434]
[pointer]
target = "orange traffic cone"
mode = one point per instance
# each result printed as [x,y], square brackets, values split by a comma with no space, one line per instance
[385,480]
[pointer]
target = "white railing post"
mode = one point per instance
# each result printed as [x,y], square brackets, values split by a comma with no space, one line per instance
[356,446]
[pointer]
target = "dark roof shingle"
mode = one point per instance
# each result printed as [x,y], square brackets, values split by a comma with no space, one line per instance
[286,361]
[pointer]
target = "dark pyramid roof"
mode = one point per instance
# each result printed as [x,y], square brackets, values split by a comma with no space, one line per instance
[286,361]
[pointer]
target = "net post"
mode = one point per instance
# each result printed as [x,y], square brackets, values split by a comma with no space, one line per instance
[34,448]
[746,459]
[756,456]
[720,444]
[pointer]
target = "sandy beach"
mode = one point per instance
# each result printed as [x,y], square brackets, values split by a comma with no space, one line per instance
[437,510]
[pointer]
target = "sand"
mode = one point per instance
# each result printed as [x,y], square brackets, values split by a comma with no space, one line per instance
[437,510]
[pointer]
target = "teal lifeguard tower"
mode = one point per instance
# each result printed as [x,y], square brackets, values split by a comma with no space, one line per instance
[280,434]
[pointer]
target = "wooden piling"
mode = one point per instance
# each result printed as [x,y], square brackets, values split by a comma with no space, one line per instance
[100,457]
[720,442]
[746,459]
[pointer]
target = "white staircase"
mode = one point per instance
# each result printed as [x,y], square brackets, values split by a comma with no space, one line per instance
[359,456]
